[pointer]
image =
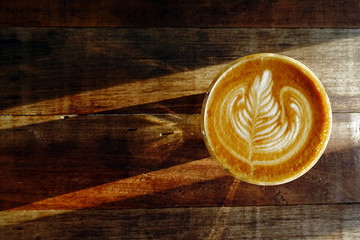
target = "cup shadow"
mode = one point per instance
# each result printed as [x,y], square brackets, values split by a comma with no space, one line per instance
[48,159]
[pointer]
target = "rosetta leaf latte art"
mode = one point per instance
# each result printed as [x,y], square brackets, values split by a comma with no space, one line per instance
[261,113]
[268,129]
[260,122]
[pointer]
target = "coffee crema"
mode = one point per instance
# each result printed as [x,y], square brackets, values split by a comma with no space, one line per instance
[266,119]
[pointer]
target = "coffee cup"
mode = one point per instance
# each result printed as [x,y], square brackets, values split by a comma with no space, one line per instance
[266,119]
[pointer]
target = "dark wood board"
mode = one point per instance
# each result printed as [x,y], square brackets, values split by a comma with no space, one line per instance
[184,13]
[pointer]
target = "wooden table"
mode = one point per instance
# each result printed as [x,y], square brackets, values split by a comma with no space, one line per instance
[100,120]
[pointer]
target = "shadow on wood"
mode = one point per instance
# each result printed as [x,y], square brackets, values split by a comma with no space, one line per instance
[91,70]
[39,64]
[191,104]
[142,161]
[44,160]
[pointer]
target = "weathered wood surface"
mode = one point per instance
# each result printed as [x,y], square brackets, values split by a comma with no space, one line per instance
[141,161]
[184,13]
[338,221]
[64,175]
[81,71]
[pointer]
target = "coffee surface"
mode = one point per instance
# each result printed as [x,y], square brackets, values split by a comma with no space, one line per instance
[267,119]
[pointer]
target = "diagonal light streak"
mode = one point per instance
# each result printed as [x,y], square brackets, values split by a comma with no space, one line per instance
[140,185]
[123,95]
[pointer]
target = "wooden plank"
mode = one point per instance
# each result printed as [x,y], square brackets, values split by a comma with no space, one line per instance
[82,71]
[340,221]
[128,161]
[185,13]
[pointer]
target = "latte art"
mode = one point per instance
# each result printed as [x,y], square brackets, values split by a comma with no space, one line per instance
[265,126]
[262,125]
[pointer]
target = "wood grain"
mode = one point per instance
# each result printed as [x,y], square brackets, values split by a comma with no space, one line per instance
[146,161]
[185,13]
[271,222]
[83,71]
[99,127]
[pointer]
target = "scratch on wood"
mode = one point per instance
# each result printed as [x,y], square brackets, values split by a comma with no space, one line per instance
[166,133]
[281,197]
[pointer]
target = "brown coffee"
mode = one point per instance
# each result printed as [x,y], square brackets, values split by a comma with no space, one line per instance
[266,119]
